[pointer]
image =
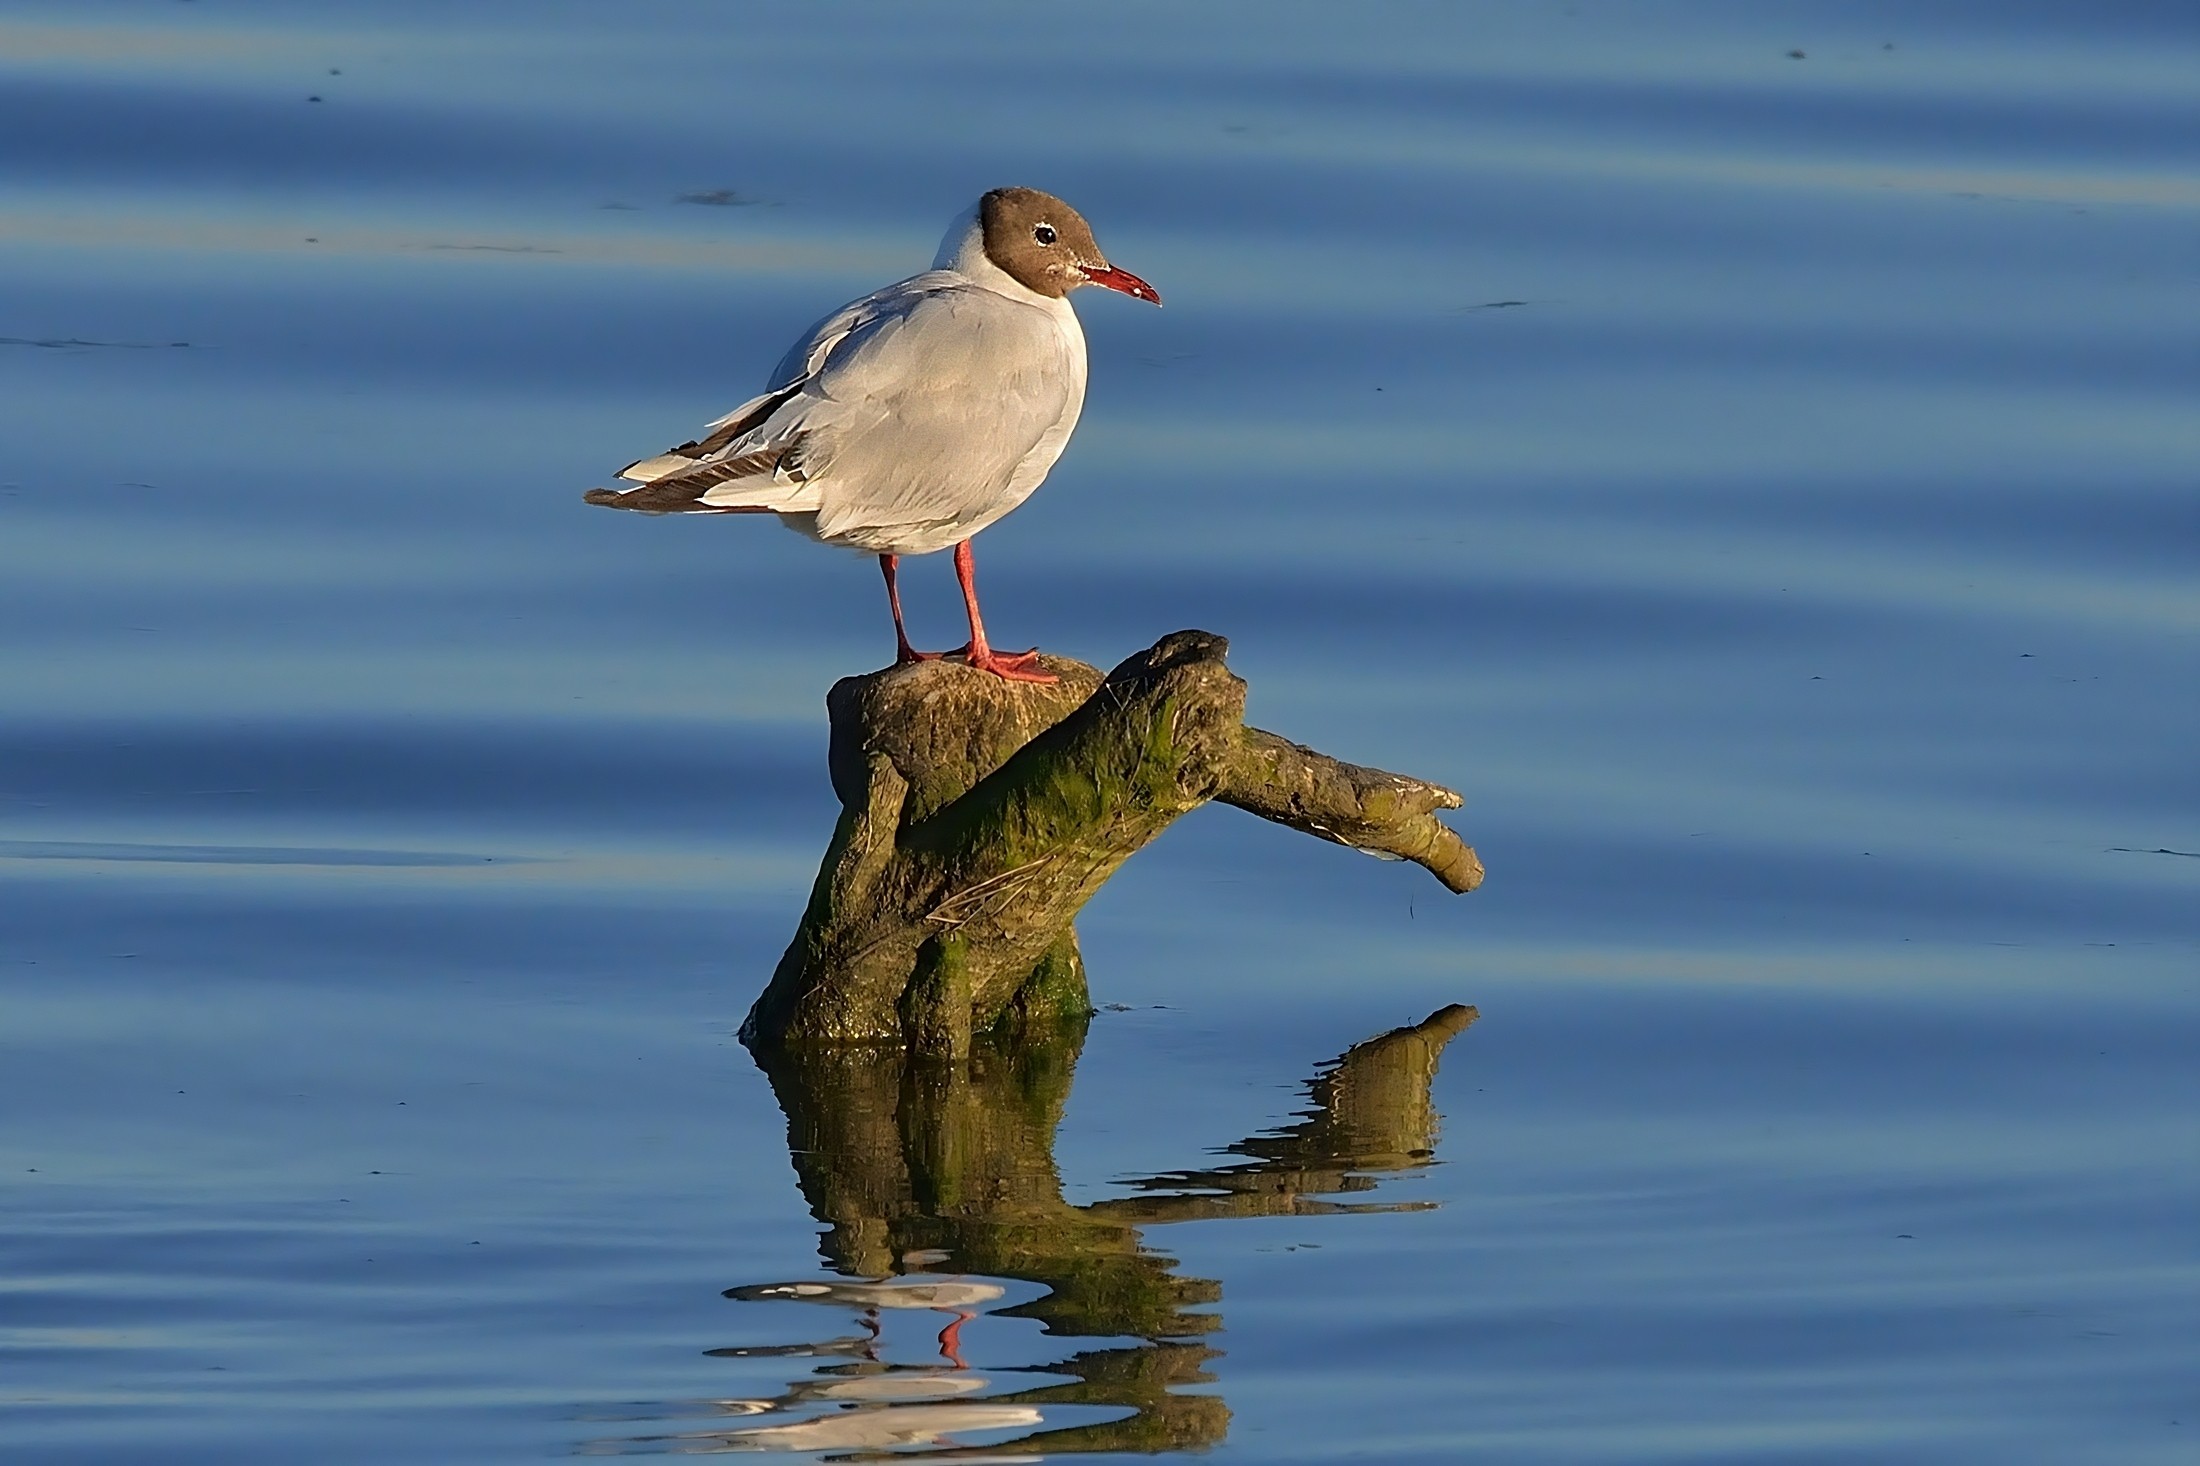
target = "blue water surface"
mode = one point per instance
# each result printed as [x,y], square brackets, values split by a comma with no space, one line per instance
[1751,452]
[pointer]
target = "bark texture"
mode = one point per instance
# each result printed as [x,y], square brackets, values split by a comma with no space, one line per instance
[979,815]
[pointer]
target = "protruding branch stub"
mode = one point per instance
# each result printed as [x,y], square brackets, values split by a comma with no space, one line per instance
[1385,814]
[979,815]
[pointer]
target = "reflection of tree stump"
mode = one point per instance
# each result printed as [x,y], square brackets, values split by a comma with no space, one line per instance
[902,1155]
[979,815]
[1372,1113]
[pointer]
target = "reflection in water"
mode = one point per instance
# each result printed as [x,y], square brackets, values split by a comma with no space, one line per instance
[935,1179]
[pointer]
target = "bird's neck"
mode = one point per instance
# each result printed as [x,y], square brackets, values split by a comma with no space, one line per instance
[963,251]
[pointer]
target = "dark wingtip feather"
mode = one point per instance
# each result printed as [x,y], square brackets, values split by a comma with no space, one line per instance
[605,496]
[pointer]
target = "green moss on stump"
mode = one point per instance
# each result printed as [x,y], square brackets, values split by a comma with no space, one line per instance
[979,815]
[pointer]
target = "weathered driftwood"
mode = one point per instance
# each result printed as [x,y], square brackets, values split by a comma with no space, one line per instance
[951,1163]
[979,815]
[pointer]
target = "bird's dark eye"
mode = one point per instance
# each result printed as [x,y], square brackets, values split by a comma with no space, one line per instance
[1044,234]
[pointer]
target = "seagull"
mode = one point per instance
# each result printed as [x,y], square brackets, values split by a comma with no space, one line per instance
[907,421]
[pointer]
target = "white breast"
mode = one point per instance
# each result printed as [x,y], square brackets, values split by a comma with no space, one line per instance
[940,414]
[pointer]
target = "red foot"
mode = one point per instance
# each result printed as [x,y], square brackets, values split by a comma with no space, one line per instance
[1008,666]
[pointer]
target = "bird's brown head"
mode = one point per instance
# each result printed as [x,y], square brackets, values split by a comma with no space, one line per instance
[1046,246]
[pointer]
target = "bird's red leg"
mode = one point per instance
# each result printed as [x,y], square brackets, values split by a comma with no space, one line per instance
[890,566]
[1011,666]
[951,1338]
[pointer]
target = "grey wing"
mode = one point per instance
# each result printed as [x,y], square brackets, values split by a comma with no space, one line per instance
[925,414]
[757,434]
[807,357]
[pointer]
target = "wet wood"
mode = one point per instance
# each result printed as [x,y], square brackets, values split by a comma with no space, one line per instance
[978,816]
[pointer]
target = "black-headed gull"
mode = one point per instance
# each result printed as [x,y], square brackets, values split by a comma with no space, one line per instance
[911,419]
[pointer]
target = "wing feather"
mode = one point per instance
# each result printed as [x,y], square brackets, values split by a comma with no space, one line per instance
[717,438]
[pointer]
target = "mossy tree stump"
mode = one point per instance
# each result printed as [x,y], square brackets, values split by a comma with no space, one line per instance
[979,815]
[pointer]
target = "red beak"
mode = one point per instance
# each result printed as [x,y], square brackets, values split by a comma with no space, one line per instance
[1123,280]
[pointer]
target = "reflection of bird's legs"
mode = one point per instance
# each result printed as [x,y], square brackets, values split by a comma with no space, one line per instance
[869,1319]
[890,566]
[1010,666]
[951,1338]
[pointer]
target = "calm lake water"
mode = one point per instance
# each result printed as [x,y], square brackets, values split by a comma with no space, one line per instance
[1751,451]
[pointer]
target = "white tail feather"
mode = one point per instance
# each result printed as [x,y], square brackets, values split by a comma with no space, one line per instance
[664,465]
[781,496]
